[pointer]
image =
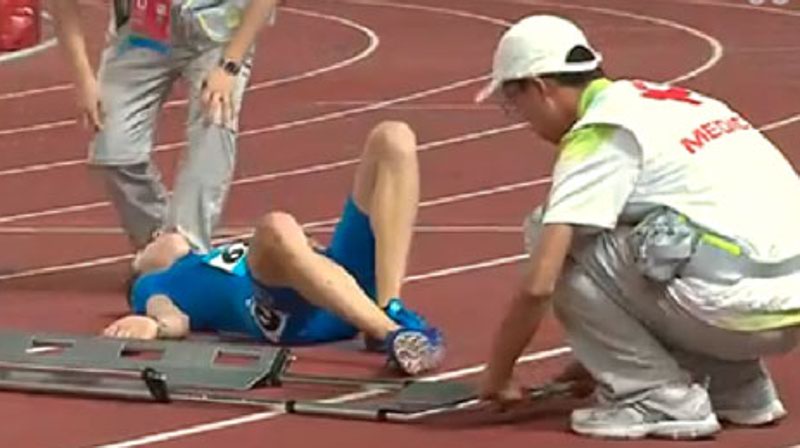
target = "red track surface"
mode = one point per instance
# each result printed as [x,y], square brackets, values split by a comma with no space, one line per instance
[420,49]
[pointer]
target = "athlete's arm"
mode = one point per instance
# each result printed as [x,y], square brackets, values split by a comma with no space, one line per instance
[172,322]
[67,22]
[523,318]
[163,320]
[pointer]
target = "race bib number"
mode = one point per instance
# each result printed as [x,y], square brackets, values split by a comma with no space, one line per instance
[271,321]
[231,258]
[150,23]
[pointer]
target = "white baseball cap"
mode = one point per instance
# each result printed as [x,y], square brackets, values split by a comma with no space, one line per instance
[537,45]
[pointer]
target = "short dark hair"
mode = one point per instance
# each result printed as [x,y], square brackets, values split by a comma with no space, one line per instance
[578,79]
[579,53]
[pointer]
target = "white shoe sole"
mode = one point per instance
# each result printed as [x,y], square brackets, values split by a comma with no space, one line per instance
[415,353]
[759,417]
[672,429]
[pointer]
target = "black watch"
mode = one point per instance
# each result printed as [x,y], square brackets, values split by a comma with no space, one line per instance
[230,66]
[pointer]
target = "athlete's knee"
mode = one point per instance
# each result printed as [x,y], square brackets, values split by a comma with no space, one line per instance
[392,139]
[276,233]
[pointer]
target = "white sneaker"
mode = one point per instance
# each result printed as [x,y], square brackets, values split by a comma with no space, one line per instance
[751,403]
[766,415]
[676,413]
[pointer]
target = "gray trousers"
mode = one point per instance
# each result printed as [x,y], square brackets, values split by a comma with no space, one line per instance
[134,83]
[635,339]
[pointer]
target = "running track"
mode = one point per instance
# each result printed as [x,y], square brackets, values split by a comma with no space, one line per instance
[324,75]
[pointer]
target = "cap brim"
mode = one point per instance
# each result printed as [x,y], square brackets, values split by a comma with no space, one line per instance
[487,91]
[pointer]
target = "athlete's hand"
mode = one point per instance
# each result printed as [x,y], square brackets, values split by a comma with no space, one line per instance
[88,101]
[217,96]
[133,327]
[504,394]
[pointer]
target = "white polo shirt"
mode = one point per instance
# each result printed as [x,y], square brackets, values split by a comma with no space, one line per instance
[639,145]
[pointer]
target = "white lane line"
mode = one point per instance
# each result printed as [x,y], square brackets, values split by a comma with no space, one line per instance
[767,49]
[38,127]
[717,49]
[36,91]
[507,188]
[434,9]
[28,52]
[764,9]
[329,116]
[321,167]
[65,230]
[66,267]
[373,41]
[429,228]
[781,123]
[483,192]
[372,44]
[262,416]
[446,272]
[454,107]
[94,262]
[744,5]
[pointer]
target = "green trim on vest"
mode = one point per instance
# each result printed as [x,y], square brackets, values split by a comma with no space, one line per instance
[590,93]
[761,321]
[581,143]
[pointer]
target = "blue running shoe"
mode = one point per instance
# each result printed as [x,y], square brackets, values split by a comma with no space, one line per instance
[397,311]
[413,352]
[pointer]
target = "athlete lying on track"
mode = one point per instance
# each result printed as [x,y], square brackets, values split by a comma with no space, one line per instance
[282,289]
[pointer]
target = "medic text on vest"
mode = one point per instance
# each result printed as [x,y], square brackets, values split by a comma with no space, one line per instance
[712,131]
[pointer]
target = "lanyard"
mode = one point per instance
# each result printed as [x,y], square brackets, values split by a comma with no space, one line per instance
[150,24]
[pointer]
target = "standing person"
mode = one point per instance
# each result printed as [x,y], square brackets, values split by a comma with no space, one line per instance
[663,245]
[151,44]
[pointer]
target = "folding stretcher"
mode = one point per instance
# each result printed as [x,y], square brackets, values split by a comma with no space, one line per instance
[213,373]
